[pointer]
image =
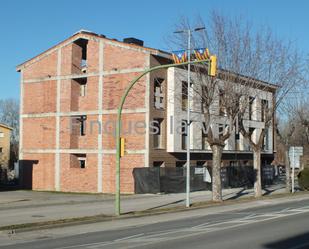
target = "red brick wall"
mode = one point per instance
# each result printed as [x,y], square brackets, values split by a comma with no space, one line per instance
[42,170]
[66,60]
[76,58]
[39,133]
[90,140]
[114,87]
[128,163]
[67,104]
[117,58]
[75,179]
[92,56]
[66,129]
[71,139]
[134,141]
[90,101]
[42,68]
[40,97]
[71,101]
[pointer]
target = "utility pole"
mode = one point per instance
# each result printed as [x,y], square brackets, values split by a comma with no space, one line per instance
[188,124]
[189,32]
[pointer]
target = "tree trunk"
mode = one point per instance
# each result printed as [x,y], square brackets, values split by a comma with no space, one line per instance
[257,172]
[287,172]
[216,172]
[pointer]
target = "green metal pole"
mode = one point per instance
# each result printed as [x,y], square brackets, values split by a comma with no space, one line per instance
[118,125]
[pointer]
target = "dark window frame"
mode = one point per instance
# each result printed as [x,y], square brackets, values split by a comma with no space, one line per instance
[184,134]
[184,95]
[251,101]
[158,83]
[82,125]
[264,107]
[158,137]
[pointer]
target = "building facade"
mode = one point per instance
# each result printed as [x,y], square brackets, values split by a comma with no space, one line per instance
[5,139]
[69,99]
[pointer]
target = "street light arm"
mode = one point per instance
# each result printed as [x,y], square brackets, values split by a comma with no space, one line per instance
[118,124]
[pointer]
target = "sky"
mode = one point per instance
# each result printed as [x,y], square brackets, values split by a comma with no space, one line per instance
[30,27]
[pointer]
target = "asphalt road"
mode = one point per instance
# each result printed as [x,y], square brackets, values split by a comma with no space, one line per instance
[20,207]
[282,226]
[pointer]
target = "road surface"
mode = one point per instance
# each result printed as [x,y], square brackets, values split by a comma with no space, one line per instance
[20,207]
[279,226]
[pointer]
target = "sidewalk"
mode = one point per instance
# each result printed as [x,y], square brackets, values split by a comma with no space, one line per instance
[20,207]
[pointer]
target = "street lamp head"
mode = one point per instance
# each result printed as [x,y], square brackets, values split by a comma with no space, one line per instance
[199,29]
[179,31]
[188,30]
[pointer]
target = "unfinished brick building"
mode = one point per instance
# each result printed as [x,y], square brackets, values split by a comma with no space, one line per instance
[69,99]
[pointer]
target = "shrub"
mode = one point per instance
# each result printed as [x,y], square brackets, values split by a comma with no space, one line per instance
[303,179]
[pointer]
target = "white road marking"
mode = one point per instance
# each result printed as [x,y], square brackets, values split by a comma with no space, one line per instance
[300,210]
[283,210]
[88,245]
[246,218]
[145,239]
[129,237]
[200,225]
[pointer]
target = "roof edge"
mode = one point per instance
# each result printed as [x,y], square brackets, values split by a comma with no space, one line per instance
[5,126]
[100,36]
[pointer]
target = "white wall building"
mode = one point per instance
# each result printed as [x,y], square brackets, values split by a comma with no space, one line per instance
[176,114]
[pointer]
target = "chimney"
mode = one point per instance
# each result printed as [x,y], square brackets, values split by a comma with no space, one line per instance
[132,40]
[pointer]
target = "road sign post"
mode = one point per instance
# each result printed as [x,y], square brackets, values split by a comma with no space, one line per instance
[295,152]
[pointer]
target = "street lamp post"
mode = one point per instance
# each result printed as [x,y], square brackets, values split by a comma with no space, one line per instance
[293,170]
[189,32]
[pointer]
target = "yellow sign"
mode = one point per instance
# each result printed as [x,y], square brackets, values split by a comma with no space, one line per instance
[122,146]
[213,65]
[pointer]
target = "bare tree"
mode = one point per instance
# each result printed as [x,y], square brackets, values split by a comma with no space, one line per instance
[301,113]
[9,115]
[294,130]
[263,58]
[285,139]
[249,62]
